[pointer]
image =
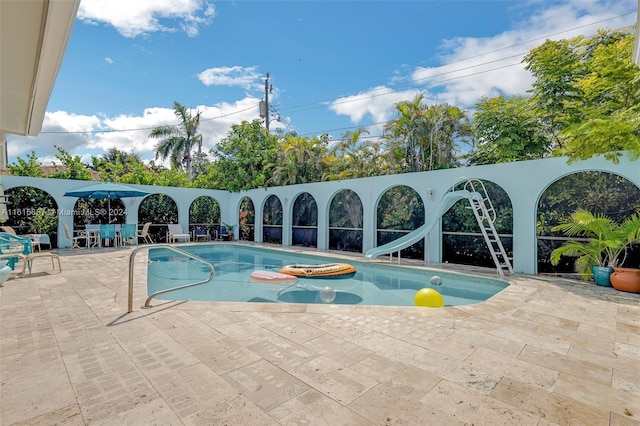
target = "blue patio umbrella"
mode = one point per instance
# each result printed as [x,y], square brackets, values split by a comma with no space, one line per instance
[108,190]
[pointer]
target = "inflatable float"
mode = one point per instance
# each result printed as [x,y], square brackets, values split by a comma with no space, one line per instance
[329,270]
[271,277]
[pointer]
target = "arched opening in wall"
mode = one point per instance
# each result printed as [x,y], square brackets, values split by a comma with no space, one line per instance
[33,211]
[204,218]
[160,210]
[400,211]
[98,211]
[345,222]
[272,220]
[462,240]
[304,223]
[247,220]
[601,193]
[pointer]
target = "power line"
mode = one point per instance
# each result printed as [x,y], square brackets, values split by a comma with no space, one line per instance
[147,128]
[387,89]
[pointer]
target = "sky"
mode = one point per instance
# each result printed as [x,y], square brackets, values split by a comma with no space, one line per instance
[335,66]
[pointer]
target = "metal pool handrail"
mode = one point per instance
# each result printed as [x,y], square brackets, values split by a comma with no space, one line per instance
[157,293]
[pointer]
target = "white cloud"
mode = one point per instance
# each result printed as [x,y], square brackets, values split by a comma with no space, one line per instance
[377,102]
[477,67]
[245,77]
[133,18]
[71,132]
[108,60]
[94,135]
[485,67]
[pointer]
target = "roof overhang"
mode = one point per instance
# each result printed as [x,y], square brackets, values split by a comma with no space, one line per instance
[33,39]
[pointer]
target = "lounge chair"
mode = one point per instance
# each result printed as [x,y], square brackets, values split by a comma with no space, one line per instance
[27,260]
[35,240]
[8,230]
[176,234]
[14,248]
[33,256]
[144,233]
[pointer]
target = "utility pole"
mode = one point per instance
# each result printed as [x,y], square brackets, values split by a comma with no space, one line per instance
[264,105]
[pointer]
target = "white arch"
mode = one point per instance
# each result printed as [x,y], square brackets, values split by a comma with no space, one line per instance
[523,181]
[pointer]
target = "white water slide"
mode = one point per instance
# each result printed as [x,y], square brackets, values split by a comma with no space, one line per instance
[413,237]
[485,216]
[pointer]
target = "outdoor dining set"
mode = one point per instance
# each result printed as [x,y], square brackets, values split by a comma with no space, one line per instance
[114,235]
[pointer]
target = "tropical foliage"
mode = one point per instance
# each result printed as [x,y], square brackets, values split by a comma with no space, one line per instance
[507,130]
[587,95]
[605,242]
[425,137]
[345,222]
[243,159]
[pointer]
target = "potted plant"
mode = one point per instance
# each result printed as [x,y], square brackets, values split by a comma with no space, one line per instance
[627,279]
[230,229]
[604,247]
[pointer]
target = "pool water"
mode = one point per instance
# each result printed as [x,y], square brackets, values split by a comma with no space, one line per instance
[373,284]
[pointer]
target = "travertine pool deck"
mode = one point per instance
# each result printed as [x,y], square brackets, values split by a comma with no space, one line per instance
[542,352]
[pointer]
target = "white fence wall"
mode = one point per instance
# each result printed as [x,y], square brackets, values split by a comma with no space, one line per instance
[524,183]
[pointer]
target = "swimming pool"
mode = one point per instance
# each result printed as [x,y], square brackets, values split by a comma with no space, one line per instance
[373,284]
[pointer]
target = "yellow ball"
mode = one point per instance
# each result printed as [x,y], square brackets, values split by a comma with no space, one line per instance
[428,297]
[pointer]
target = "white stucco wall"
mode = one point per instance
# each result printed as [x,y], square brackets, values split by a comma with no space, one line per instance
[524,182]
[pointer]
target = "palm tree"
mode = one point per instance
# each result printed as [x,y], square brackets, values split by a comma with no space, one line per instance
[425,137]
[124,158]
[409,133]
[299,160]
[176,142]
[345,158]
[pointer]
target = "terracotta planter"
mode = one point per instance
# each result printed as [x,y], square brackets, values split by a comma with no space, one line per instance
[626,279]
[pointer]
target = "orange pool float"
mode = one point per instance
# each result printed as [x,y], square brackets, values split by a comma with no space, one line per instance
[328,270]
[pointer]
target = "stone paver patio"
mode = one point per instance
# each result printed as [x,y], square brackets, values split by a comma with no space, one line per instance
[542,352]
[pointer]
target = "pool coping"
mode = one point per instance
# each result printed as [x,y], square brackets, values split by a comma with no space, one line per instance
[543,351]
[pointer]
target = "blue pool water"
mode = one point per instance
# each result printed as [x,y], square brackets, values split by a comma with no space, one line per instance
[373,284]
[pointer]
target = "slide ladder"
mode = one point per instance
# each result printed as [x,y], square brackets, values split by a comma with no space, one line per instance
[485,214]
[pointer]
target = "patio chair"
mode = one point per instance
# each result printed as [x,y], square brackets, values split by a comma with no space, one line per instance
[144,233]
[200,233]
[76,237]
[176,234]
[108,234]
[128,234]
[223,233]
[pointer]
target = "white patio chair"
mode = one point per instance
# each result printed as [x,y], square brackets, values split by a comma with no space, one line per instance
[75,237]
[144,233]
